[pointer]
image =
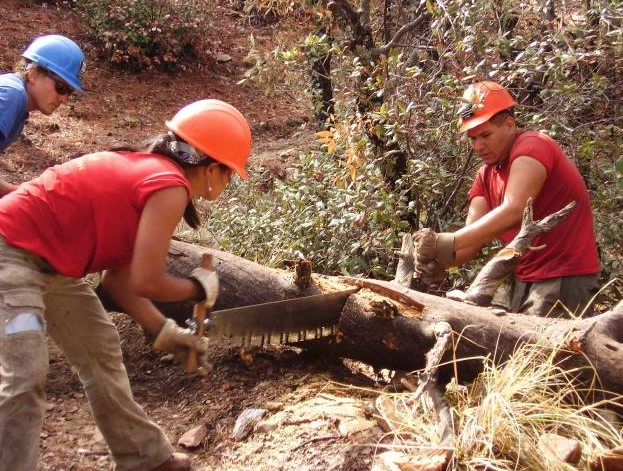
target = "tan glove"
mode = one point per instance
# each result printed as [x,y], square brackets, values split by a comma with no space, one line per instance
[433,253]
[178,341]
[208,280]
[444,250]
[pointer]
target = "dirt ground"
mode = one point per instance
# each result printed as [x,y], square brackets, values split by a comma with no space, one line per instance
[315,419]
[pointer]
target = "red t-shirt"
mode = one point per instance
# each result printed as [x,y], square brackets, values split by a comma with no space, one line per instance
[571,248]
[82,216]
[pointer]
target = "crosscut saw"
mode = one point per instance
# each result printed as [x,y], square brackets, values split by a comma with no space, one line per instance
[278,322]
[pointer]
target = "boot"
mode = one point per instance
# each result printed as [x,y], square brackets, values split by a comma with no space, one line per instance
[176,462]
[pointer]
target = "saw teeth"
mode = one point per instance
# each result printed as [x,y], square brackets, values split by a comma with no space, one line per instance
[260,339]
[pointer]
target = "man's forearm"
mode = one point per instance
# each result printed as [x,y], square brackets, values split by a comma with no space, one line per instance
[488,227]
[465,255]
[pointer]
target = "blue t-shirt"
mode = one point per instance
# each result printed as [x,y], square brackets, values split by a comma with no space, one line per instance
[13,109]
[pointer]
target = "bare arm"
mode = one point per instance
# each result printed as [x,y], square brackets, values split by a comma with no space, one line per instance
[526,178]
[6,187]
[134,285]
[478,207]
[142,310]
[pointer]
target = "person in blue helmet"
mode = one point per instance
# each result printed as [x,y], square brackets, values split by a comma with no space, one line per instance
[48,74]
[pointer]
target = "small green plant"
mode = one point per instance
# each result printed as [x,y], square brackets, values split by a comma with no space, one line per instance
[144,34]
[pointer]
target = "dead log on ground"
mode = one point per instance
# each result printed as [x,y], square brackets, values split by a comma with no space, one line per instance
[401,339]
[390,326]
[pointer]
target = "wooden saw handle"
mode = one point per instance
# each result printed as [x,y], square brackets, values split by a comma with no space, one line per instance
[199,314]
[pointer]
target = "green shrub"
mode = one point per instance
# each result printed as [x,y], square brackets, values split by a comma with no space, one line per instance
[319,212]
[144,34]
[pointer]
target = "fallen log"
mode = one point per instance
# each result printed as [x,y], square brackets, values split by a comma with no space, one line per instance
[389,325]
[400,338]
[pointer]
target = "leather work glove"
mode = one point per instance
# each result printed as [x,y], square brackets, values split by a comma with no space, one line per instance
[433,254]
[444,250]
[179,341]
[208,281]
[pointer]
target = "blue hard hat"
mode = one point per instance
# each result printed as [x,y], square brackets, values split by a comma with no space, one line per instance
[60,55]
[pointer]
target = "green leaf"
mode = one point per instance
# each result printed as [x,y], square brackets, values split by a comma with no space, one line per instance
[619,170]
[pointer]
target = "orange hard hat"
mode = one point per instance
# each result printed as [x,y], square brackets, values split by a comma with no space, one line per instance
[481,101]
[216,129]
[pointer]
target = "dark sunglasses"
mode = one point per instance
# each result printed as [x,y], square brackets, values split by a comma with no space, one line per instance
[61,87]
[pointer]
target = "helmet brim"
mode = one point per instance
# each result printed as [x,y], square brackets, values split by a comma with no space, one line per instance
[476,121]
[40,61]
[240,170]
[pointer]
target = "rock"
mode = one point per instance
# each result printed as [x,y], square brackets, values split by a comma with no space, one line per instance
[193,437]
[432,460]
[388,461]
[498,312]
[245,423]
[611,460]
[565,449]
[274,406]
[223,58]
[358,424]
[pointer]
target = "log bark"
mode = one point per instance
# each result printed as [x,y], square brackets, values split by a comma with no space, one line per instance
[401,336]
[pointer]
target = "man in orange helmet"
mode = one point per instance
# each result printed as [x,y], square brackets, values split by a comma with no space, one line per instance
[519,165]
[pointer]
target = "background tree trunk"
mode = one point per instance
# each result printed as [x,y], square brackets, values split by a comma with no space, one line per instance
[319,60]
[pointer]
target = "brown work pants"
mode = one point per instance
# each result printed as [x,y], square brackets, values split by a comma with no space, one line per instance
[564,296]
[34,300]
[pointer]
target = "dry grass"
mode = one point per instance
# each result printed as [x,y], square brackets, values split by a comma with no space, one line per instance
[502,414]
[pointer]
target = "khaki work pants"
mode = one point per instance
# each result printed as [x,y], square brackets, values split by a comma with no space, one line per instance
[555,297]
[34,300]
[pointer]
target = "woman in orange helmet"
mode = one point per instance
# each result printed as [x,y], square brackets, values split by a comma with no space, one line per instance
[113,212]
[519,165]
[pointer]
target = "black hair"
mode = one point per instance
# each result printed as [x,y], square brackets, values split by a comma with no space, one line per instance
[500,116]
[161,145]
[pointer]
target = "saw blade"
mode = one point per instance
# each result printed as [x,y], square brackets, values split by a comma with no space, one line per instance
[280,321]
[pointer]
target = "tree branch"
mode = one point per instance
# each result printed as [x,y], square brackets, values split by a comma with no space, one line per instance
[377,51]
[507,260]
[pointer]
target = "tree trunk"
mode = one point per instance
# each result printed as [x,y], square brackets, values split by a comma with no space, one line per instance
[399,335]
[550,10]
[319,60]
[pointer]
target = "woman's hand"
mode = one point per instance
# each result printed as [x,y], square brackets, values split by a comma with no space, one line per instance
[179,342]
